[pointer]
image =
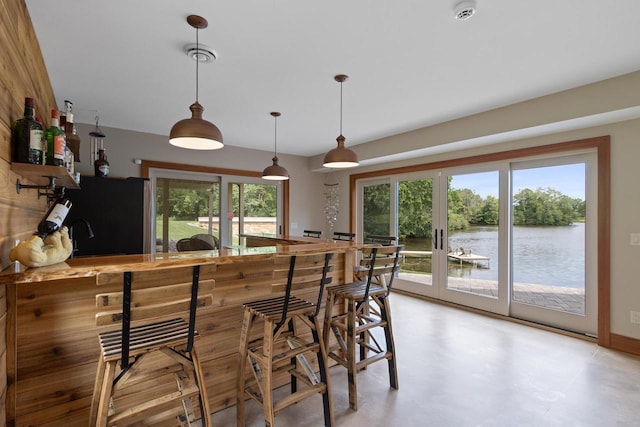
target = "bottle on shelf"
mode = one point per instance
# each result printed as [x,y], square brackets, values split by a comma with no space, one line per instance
[53,219]
[43,142]
[73,140]
[101,164]
[26,137]
[55,141]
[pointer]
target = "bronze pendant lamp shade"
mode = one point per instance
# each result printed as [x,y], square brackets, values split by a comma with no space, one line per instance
[275,172]
[341,156]
[196,133]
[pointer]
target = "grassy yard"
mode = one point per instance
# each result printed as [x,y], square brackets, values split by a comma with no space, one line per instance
[179,229]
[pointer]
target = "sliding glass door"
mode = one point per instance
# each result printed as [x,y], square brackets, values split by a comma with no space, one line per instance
[553,263]
[471,242]
[224,206]
[514,238]
[185,207]
[253,209]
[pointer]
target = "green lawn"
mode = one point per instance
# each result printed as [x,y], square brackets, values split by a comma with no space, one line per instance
[179,229]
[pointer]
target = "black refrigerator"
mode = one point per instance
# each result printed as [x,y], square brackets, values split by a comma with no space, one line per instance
[116,209]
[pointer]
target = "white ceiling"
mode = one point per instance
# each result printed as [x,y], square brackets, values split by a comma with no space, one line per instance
[410,63]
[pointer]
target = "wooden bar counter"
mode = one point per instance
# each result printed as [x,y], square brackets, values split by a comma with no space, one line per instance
[51,338]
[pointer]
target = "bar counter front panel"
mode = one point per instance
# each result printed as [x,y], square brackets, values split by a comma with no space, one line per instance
[52,344]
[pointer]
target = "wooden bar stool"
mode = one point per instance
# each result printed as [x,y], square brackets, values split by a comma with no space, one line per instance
[282,349]
[149,371]
[367,307]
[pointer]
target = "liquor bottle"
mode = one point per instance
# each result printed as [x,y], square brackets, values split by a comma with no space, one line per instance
[26,137]
[101,164]
[43,142]
[54,218]
[73,140]
[55,141]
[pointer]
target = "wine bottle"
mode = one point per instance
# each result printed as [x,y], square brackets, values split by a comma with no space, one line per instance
[55,141]
[26,137]
[101,164]
[54,218]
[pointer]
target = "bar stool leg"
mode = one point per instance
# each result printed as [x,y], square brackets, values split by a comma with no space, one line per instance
[197,368]
[105,394]
[351,355]
[328,314]
[363,309]
[267,397]
[293,360]
[324,374]
[245,332]
[385,313]
[93,415]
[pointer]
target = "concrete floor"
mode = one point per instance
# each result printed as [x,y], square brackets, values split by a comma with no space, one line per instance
[462,369]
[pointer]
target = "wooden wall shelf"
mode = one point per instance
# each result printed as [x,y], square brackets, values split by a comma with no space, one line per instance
[45,177]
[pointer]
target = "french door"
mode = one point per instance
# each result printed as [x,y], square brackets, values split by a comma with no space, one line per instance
[514,238]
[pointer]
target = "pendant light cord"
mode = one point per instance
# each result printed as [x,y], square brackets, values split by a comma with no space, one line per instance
[340,108]
[275,136]
[197,59]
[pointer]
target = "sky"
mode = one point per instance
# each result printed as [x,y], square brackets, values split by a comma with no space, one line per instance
[567,179]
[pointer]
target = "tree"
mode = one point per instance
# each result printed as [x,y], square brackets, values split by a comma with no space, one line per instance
[414,208]
[545,207]
[376,209]
[489,213]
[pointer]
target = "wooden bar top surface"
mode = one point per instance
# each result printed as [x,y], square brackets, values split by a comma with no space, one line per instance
[90,266]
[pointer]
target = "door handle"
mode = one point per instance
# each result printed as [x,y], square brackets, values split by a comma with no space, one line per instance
[435,233]
[441,238]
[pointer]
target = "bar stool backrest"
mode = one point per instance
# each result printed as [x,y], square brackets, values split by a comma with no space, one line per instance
[210,239]
[158,294]
[303,273]
[380,261]
[381,240]
[194,244]
[312,233]
[339,235]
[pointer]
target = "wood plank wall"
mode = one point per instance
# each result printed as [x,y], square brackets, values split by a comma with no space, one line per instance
[22,74]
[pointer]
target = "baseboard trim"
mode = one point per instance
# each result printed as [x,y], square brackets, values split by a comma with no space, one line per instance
[626,344]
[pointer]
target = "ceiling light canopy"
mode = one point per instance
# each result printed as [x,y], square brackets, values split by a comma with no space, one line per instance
[196,133]
[341,156]
[275,172]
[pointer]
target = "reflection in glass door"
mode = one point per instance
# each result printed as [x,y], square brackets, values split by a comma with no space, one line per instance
[183,208]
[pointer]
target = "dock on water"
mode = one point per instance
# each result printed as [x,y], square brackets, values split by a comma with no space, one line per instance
[467,257]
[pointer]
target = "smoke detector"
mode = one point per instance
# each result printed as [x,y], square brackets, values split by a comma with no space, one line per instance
[464,10]
[200,53]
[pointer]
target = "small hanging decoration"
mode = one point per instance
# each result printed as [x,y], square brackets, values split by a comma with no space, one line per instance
[331,201]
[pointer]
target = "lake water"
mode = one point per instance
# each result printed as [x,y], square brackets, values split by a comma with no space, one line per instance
[541,255]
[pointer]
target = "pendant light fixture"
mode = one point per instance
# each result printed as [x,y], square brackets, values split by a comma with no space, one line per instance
[340,157]
[196,133]
[275,172]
